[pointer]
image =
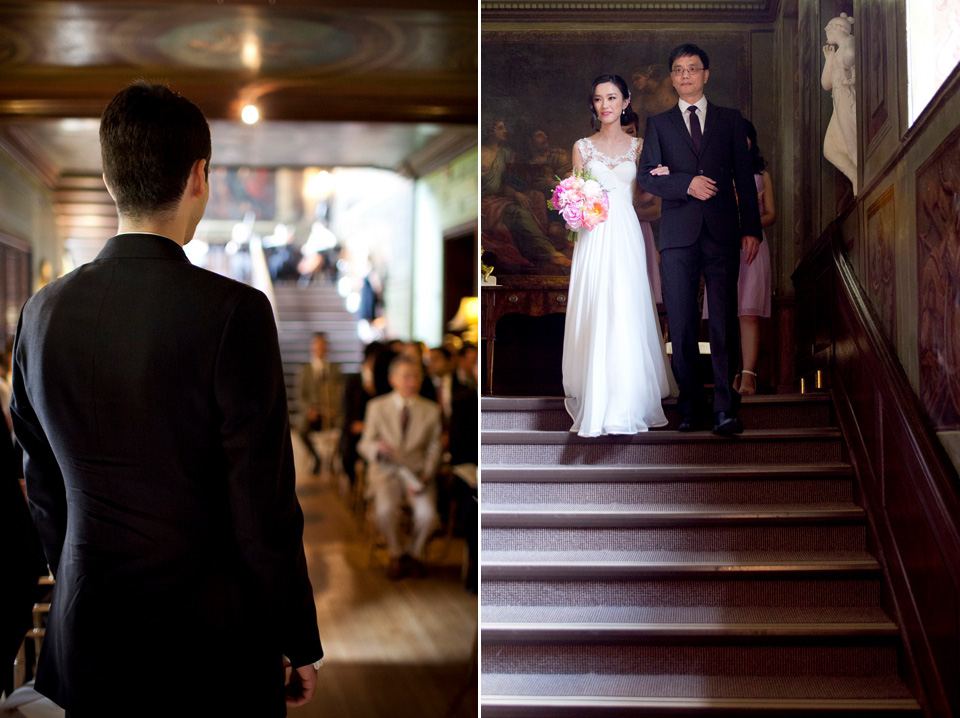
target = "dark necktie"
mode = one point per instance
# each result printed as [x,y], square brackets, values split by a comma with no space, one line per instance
[695,132]
[404,422]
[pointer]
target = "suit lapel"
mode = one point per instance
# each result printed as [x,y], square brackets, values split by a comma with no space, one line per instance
[710,121]
[676,117]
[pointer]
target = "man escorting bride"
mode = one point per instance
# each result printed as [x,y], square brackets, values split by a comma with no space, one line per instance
[704,229]
[614,367]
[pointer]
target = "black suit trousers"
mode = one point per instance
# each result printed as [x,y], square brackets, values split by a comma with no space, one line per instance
[681,267]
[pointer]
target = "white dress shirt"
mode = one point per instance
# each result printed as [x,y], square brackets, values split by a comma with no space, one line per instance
[701,112]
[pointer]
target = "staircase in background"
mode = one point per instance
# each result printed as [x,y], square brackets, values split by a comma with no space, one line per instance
[303,310]
[680,574]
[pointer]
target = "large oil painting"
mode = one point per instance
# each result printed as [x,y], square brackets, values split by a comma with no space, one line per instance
[535,87]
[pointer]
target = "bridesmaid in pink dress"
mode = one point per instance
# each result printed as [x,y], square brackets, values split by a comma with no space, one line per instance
[754,286]
[646,213]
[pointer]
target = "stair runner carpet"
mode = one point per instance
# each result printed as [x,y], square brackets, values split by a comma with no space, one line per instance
[679,574]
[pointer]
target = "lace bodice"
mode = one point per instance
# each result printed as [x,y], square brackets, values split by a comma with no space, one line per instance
[617,174]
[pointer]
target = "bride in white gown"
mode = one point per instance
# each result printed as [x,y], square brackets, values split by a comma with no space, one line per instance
[615,371]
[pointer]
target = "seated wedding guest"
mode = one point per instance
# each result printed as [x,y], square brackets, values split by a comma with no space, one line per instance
[413,350]
[381,368]
[320,391]
[440,374]
[358,390]
[149,399]
[466,371]
[401,441]
[464,458]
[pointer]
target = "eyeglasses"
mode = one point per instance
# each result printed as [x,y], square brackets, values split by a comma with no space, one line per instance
[692,71]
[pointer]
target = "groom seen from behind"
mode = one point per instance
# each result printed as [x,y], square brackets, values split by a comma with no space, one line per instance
[702,230]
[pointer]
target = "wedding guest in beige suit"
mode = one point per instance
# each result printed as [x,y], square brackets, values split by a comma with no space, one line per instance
[402,442]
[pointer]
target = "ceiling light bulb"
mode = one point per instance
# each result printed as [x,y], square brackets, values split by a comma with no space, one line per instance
[250,114]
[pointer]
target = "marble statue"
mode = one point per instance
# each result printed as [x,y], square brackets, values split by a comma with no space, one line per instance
[840,140]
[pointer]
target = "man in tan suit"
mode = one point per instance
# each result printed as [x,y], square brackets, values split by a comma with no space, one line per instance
[401,441]
[320,391]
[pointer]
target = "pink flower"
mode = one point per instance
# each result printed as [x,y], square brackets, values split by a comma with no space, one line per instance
[595,211]
[573,215]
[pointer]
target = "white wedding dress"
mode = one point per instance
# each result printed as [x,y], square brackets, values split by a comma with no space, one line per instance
[615,371]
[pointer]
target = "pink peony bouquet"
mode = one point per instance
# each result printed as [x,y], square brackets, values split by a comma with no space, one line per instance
[581,201]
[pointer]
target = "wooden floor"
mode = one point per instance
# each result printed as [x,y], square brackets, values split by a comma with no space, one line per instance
[404,648]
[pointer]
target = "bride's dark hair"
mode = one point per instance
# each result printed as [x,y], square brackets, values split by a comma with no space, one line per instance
[628,115]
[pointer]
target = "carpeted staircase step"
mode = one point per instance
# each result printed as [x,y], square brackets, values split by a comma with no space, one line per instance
[696,484]
[662,447]
[582,624]
[675,538]
[704,590]
[770,411]
[623,515]
[825,657]
[626,564]
[586,695]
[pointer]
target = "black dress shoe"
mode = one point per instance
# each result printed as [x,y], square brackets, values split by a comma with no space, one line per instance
[689,423]
[727,424]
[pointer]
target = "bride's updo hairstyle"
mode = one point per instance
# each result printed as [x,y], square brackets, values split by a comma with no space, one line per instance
[628,115]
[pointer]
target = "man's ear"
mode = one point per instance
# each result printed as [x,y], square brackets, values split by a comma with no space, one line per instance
[198,178]
[109,189]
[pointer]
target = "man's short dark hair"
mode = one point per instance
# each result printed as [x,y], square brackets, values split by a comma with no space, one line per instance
[687,50]
[150,137]
[444,351]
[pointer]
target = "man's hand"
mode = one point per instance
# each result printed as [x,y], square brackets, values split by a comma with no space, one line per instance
[750,249]
[300,684]
[384,450]
[702,187]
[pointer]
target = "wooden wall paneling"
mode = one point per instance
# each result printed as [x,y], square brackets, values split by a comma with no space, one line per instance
[880,254]
[878,85]
[938,274]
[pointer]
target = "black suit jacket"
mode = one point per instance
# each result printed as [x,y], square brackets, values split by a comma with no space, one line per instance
[724,158]
[149,399]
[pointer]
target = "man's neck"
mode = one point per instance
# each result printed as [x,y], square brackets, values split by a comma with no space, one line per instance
[171,228]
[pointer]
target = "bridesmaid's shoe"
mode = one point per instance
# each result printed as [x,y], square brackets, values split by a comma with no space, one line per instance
[736,383]
[746,388]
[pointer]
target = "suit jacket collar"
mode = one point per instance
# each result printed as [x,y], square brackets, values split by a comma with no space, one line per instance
[142,246]
[676,117]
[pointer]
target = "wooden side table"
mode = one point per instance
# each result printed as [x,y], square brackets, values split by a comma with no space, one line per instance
[533,296]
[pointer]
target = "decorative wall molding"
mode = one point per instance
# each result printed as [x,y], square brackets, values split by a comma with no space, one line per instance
[699,11]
